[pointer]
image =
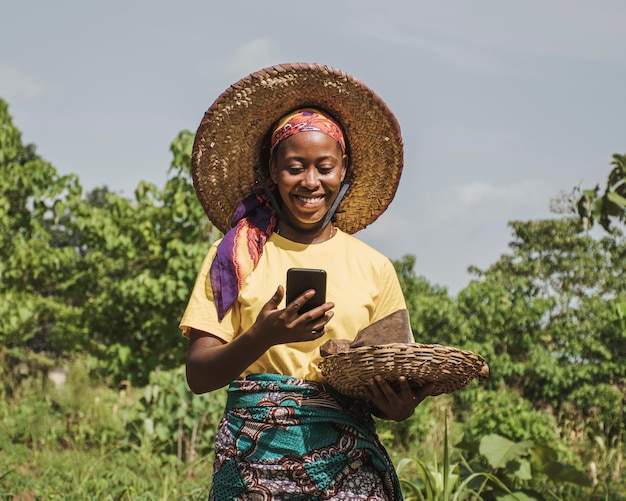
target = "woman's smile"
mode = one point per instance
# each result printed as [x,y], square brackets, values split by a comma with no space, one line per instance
[309,200]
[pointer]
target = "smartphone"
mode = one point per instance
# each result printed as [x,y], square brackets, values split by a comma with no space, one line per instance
[300,280]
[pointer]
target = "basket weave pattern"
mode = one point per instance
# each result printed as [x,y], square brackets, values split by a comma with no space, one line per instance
[450,369]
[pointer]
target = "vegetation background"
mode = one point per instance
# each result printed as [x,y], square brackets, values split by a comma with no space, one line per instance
[93,398]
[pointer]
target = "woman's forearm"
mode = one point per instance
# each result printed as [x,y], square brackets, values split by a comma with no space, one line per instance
[212,364]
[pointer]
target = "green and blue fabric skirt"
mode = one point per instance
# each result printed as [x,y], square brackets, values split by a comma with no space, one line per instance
[284,438]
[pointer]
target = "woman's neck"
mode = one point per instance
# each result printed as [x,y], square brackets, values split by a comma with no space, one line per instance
[315,236]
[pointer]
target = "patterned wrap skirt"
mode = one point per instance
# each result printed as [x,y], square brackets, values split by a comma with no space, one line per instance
[284,438]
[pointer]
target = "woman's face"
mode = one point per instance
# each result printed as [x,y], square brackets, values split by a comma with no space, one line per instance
[308,169]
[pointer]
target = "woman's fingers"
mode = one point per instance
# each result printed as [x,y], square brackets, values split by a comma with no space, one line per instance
[314,320]
[297,303]
[286,325]
[276,298]
[397,405]
[422,392]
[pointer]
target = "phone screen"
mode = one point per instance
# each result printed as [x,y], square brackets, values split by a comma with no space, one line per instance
[300,280]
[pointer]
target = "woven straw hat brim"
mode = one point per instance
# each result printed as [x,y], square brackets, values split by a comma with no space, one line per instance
[450,369]
[232,143]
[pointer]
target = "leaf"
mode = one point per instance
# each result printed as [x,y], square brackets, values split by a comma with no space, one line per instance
[520,468]
[561,472]
[596,208]
[162,432]
[499,450]
[519,496]
[616,198]
[542,455]
[123,353]
[148,426]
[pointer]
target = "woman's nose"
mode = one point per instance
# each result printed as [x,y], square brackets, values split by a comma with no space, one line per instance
[311,179]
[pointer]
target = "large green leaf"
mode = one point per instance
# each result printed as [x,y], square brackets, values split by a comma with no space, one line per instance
[499,451]
[560,472]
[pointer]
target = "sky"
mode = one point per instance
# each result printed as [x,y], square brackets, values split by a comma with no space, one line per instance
[503,105]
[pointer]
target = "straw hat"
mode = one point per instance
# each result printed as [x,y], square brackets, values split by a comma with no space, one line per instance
[450,369]
[231,147]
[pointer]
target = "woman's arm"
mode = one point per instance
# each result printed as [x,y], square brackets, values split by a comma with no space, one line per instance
[212,363]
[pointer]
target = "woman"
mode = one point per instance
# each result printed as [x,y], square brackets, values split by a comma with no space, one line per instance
[288,163]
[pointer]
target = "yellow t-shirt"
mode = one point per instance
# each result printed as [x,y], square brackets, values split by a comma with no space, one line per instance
[360,281]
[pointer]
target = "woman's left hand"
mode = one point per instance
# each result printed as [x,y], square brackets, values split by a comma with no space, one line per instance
[396,405]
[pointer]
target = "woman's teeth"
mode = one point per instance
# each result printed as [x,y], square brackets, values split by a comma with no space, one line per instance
[310,200]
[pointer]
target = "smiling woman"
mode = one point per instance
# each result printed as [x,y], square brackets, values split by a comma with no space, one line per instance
[287,168]
[308,169]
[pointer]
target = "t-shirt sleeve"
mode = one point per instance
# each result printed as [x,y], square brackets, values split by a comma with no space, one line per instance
[390,297]
[201,313]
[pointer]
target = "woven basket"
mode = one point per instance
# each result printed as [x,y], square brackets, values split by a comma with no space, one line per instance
[450,369]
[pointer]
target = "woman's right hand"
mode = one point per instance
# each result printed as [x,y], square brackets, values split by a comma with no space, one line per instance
[213,363]
[276,326]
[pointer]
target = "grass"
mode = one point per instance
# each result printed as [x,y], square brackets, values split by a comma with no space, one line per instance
[90,441]
[115,474]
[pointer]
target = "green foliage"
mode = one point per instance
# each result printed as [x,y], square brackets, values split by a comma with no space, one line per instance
[549,319]
[504,470]
[86,440]
[517,463]
[435,316]
[505,412]
[35,270]
[546,315]
[110,474]
[612,204]
[146,253]
[100,274]
[169,419]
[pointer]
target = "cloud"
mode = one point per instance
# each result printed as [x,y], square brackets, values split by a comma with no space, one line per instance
[252,56]
[404,33]
[18,87]
[387,226]
[489,202]
[237,63]
[483,35]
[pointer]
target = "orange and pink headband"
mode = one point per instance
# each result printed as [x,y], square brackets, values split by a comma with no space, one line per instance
[307,120]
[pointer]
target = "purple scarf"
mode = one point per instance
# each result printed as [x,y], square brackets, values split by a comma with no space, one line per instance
[241,248]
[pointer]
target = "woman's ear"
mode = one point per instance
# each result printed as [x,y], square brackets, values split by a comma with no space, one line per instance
[344,167]
[273,170]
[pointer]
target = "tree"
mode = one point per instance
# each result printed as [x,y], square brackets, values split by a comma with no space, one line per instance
[35,268]
[550,317]
[147,252]
[99,274]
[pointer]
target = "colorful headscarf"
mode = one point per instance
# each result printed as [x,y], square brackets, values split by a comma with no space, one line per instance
[307,120]
[241,248]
